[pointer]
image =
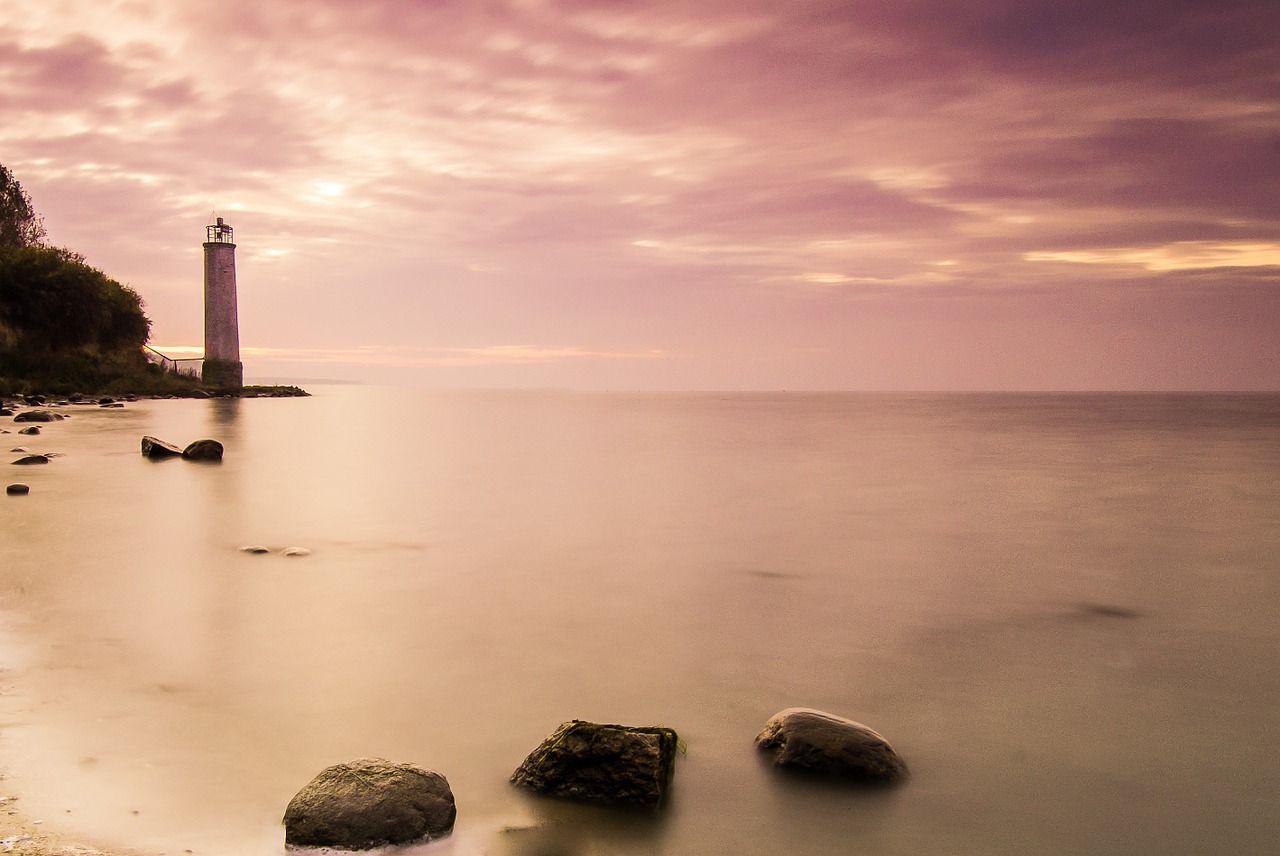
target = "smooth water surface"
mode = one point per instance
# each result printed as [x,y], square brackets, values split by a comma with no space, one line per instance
[1061,609]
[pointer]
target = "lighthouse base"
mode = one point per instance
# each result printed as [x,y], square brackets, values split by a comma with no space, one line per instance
[222,374]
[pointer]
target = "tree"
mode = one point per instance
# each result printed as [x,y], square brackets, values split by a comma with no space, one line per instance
[20,226]
[52,302]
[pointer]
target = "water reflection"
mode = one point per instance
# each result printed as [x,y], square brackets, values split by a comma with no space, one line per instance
[1067,630]
[226,418]
[561,828]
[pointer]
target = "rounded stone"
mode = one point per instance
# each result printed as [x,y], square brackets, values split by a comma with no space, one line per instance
[18,489]
[37,416]
[255,549]
[295,551]
[203,450]
[813,741]
[370,803]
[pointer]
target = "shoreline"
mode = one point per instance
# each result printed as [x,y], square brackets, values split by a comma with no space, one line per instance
[23,836]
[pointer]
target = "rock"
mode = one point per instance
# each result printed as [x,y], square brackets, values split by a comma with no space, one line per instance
[254,549]
[106,400]
[34,400]
[37,416]
[203,450]
[19,449]
[370,803]
[30,429]
[18,489]
[199,393]
[33,459]
[295,551]
[818,742]
[112,404]
[610,764]
[1108,610]
[156,449]
[4,411]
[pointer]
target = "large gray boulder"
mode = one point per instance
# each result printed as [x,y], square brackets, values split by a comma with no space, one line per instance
[816,742]
[37,416]
[370,803]
[610,764]
[157,449]
[203,450]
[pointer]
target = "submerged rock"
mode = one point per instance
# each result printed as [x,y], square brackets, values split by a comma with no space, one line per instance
[295,551]
[157,449]
[18,489]
[370,803]
[37,416]
[255,549]
[1108,610]
[33,459]
[30,430]
[610,764]
[822,743]
[203,450]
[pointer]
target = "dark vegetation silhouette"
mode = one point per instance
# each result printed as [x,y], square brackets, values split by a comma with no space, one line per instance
[66,326]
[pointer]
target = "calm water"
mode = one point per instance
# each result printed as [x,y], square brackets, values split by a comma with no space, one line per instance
[1061,609]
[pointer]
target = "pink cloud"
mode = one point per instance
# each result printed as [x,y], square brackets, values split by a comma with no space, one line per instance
[743,186]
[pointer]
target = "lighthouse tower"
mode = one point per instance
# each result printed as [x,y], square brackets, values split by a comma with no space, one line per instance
[222,366]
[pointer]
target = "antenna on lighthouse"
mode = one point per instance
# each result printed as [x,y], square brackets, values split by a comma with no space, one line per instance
[221,367]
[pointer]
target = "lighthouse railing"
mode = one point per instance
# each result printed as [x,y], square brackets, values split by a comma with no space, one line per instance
[189,366]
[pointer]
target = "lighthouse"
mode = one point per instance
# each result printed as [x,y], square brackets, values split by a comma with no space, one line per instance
[221,366]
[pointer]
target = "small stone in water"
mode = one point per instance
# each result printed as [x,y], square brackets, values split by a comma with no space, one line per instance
[17,489]
[295,551]
[255,549]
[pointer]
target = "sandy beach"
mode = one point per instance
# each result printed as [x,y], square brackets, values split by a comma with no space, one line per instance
[24,836]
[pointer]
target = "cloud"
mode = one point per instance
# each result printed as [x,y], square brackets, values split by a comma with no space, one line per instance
[71,72]
[376,355]
[1187,255]
[660,175]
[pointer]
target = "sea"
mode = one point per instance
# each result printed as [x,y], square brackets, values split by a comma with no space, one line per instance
[1060,609]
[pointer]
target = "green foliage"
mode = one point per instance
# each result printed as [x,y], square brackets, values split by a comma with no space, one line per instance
[52,302]
[66,326]
[20,226]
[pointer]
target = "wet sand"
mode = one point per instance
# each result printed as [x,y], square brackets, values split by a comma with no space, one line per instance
[23,836]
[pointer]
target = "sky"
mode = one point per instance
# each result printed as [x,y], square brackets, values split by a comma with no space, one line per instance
[704,194]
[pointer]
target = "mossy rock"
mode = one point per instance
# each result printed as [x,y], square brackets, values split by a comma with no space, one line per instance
[607,764]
